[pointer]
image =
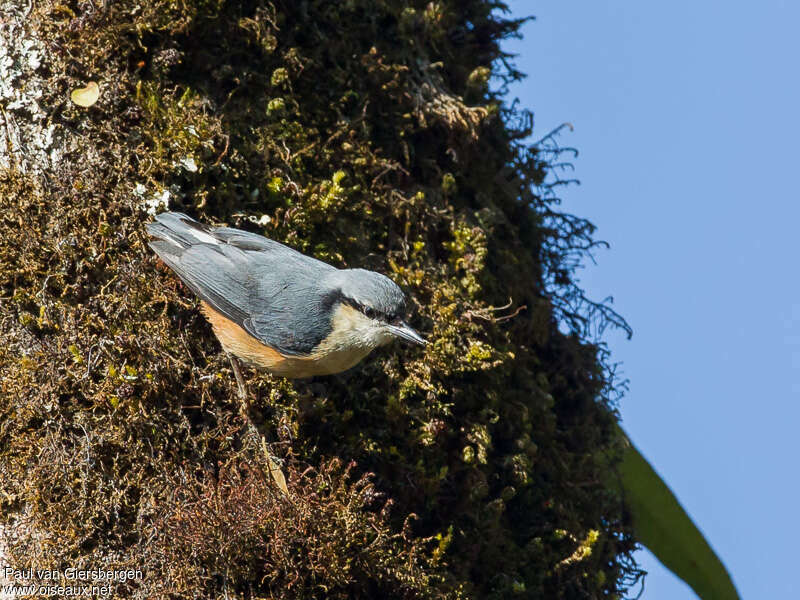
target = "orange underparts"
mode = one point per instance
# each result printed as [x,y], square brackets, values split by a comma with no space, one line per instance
[241,344]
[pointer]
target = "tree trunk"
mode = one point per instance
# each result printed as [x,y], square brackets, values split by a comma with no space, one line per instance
[367,135]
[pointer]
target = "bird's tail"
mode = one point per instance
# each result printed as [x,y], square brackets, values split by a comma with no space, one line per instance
[174,232]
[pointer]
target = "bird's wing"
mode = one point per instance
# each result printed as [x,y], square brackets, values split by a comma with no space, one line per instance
[270,290]
[292,315]
[217,277]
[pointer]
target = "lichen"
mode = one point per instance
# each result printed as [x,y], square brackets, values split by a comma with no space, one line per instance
[28,142]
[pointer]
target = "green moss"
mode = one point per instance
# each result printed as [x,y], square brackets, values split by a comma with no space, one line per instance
[279,77]
[449,184]
[359,129]
[276,107]
[479,78]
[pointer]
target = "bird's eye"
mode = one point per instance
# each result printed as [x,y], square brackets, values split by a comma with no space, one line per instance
[370,312]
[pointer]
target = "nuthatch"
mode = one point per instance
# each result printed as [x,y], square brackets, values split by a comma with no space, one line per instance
[276,309]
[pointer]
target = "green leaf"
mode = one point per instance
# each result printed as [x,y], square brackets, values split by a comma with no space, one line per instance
[662,525]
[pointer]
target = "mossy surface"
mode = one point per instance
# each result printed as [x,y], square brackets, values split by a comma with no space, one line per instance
[368,135]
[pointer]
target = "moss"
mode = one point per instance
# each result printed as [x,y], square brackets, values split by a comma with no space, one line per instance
[449,184]
[276,107]
[279,77]
[358,130]
[479,78]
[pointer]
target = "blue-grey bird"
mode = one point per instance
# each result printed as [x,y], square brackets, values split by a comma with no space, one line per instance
[276,309]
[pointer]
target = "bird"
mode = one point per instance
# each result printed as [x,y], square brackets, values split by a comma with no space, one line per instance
[275,309]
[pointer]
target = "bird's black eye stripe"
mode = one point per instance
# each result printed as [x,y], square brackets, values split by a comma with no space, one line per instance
[372,313]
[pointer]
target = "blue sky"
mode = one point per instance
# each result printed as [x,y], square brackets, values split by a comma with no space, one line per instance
[686,118]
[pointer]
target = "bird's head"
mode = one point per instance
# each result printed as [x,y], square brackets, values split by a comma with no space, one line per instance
[381,301]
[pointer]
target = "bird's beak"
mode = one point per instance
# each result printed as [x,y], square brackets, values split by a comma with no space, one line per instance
[404,331]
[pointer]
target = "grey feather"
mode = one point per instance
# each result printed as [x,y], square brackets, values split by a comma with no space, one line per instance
[280,296]
[370,289]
